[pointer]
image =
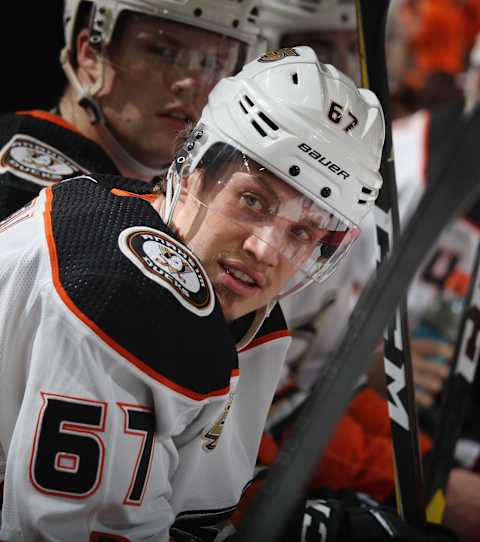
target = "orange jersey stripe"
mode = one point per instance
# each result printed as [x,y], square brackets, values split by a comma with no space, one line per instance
[46,115]
[125,193]
[274,335]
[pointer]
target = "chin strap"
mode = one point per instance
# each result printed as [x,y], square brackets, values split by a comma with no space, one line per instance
[123,159]
[86,99]
[171,195]
[84,94]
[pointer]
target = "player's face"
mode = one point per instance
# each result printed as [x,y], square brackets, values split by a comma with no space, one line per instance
[159,74]
[338,47]
[241,243]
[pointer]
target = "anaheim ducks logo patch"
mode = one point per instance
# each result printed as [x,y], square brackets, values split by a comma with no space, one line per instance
[36,161]
[279,54]
[170,264]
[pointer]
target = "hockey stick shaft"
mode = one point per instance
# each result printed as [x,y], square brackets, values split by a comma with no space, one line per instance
[456,399]
[371,21]
[285,484]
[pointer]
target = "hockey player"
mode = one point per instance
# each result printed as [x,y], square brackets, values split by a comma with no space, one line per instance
[113,395]
[119,411]
[137,72]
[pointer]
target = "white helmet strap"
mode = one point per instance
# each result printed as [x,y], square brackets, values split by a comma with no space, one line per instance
[126,162]
[85,98]
[174,175]
[172,194]
[85,95]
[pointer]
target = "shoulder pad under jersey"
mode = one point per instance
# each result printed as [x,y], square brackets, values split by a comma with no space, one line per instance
[125,275]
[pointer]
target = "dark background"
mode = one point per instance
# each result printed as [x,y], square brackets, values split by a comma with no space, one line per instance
[31,38]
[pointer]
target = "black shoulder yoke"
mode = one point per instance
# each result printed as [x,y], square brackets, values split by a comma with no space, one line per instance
[116,292]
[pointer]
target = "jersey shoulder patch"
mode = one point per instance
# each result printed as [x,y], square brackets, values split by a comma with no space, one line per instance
[29,158]
[172,265]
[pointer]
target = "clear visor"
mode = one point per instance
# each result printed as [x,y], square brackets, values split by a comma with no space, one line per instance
[154,53]
[294,237]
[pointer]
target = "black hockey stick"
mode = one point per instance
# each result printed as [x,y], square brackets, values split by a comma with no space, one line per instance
[371,21]
[285,484]
[456,399]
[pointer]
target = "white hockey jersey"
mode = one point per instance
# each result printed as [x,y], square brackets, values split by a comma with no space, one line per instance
[122,406]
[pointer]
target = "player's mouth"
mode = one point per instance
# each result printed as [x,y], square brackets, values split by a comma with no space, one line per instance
[238,278]
[176,117]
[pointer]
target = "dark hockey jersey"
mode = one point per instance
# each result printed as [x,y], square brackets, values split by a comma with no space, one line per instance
[39,149]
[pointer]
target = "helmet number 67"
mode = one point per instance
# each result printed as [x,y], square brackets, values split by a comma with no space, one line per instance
[336,114]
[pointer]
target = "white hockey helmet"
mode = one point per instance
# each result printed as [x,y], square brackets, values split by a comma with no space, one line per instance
[308,125]
[280,17]
[232,18]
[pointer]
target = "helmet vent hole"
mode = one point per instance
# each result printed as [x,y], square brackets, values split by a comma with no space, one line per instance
[259,129]
[250,103]
[366,190]
[295,78]
[235,23]
[198,12]
[268,121]
[243,108]
[361,202]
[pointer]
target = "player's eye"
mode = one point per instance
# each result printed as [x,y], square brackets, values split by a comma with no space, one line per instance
[301,233]
[253,202]
[164,52]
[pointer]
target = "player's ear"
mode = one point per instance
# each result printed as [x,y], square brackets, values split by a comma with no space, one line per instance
[88,61]
[194,182]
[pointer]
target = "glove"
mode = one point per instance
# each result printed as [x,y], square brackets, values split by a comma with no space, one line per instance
[331,521]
